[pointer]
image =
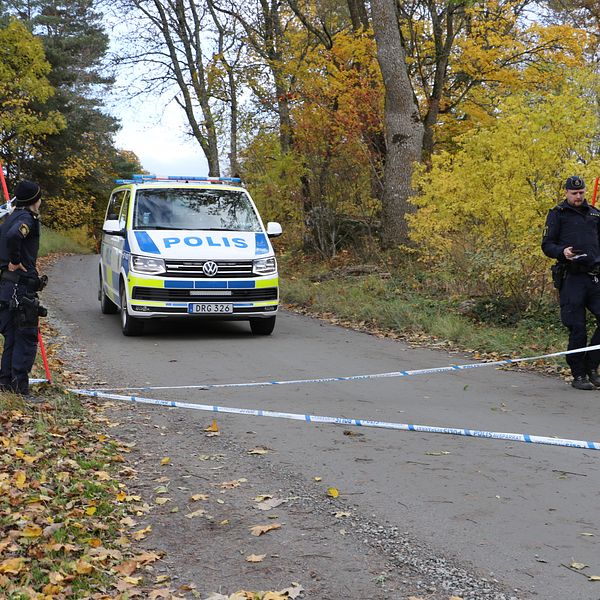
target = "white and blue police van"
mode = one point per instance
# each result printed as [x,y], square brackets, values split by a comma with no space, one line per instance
[187,247]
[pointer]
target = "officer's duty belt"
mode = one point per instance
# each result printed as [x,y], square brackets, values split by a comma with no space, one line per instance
[11,276]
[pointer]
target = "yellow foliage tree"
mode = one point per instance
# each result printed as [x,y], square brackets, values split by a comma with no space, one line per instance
[482,209]
[23,82]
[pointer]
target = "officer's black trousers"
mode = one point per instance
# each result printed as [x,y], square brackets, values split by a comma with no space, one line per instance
[20,346]
[579,292]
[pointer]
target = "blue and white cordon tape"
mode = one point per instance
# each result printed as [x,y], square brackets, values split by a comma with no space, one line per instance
[209,386]
[514,437]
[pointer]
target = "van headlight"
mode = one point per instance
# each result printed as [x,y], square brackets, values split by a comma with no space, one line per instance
[147,264]
[264,266]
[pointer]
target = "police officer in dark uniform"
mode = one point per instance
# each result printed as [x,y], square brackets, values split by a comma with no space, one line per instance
[19,282]
[572,237]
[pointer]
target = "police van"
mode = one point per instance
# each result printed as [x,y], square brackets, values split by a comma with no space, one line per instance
[187,247]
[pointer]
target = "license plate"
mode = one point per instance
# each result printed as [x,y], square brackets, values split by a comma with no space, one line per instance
[209,308]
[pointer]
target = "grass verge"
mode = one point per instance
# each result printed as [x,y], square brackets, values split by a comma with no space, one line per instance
[64,514]
[399,305]
[73,241]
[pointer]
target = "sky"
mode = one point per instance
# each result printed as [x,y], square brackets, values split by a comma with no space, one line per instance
[152,127]
[155,133]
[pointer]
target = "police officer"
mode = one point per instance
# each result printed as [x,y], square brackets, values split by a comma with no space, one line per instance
[572,237]
[19,280]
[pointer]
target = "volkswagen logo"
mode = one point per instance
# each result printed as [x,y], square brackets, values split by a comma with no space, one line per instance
[210,268]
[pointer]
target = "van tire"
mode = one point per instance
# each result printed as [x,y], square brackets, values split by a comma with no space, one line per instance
[129,325]
[107,306]
[262,326]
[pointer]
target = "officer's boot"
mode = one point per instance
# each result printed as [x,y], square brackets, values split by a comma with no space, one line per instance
[581,382]
[594,377]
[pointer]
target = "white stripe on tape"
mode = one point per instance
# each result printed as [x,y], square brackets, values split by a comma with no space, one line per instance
[451,368]
[514,437]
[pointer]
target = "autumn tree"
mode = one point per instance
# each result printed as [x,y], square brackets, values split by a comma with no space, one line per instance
[481,209]
[24,86]
[266,29]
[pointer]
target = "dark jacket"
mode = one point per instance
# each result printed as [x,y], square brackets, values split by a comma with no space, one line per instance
[20,240]
[577,227]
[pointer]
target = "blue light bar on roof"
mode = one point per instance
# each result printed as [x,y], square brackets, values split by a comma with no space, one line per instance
[140,178]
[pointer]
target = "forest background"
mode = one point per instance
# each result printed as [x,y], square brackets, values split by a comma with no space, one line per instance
[423,140]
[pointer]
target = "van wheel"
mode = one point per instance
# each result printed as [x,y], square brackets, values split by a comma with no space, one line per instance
[107,306]
[129,325]
[262,326]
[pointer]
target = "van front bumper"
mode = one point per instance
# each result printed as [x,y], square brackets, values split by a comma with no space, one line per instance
[243,298]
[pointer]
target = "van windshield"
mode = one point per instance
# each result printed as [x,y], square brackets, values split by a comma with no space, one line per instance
[184,208]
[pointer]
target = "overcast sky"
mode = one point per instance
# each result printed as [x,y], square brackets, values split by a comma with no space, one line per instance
[156,134]
[152,127]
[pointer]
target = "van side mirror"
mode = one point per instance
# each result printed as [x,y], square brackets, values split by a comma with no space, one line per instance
[274,229]
[112,227]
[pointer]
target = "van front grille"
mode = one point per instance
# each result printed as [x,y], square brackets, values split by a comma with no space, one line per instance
[193,268]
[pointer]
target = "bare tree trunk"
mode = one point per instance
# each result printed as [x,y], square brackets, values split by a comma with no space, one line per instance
[234,166]
[444,32]
[266,36]
[358,14]
[403,127]
[181,29]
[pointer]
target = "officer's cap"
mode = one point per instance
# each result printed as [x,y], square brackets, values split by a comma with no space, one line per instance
[575,183]
[27,192]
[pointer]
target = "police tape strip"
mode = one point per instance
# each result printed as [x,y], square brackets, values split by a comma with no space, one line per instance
[513,437]
[451,368]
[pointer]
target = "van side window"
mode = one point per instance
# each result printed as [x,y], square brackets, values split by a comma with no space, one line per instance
[114,206]
[124,209]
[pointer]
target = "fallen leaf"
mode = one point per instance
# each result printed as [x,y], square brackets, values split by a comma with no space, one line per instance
[140,534]
[83,567]
[165,461]
[20,478]
[259,450]
[333,492]
[260,529]
[162,500]
[340,514]
[12,566]
[270,504]
[197,497]
[196,513]
[227,485]
[126,567]
[294,591]
[213,427]
[161,593]
[318,479]
[31,530]
[578,565]
[254,558]
[594,578]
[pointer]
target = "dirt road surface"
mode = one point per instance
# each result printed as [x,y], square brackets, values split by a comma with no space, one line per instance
[423,515]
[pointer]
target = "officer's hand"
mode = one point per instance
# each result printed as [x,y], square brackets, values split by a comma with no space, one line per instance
[569,254]
[13,267]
